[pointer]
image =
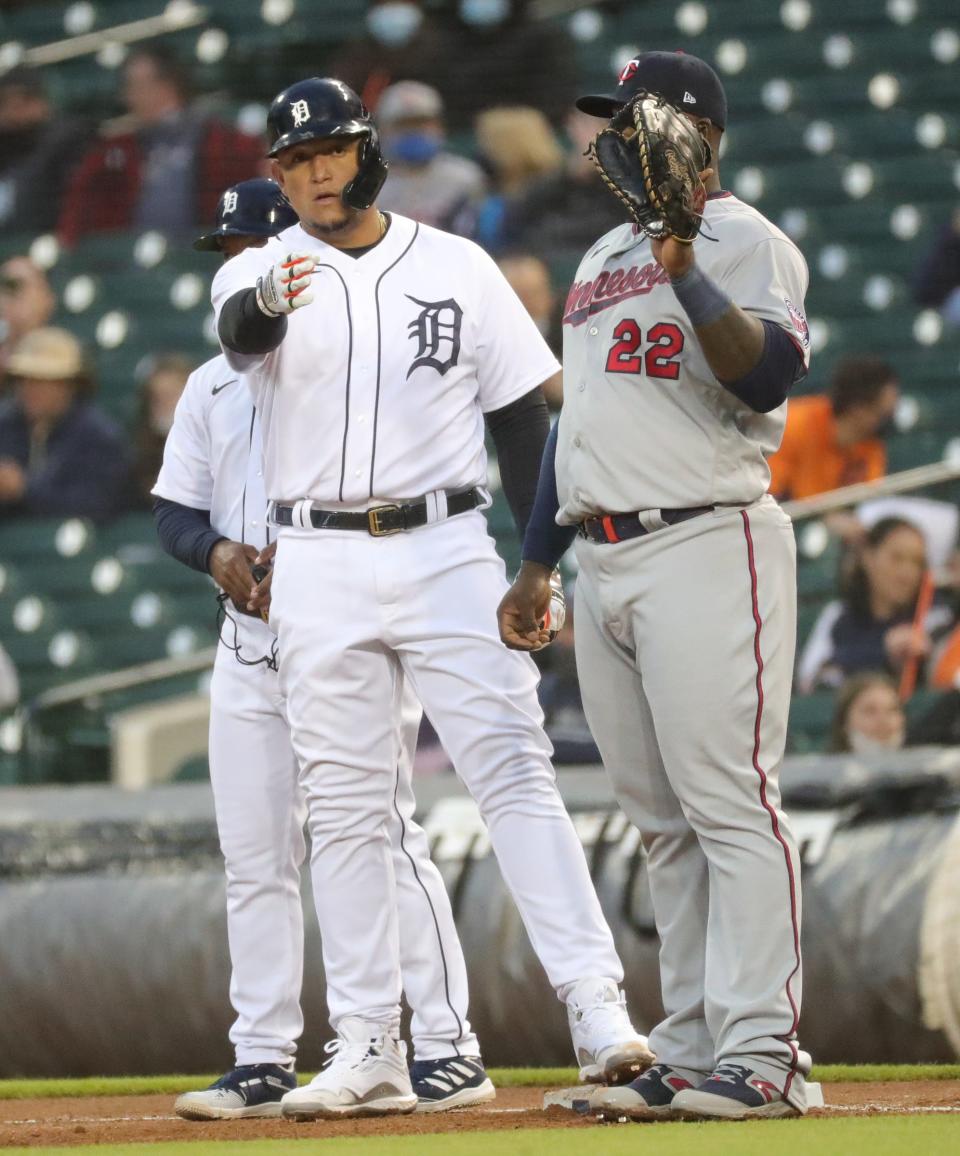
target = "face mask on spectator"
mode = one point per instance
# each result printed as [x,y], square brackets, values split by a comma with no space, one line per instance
[394,25]
[484,13]
[413,148]
[861,744]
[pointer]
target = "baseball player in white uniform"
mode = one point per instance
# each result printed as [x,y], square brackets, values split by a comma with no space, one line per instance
[376,348]
[212,512]
[677,362]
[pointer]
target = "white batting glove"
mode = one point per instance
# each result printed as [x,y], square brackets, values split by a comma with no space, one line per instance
[287,285]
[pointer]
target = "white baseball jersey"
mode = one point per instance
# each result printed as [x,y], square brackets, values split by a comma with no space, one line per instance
[645,424]
[206,466]
[377,392]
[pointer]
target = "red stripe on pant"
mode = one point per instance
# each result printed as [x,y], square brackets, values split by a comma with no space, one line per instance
[771,811]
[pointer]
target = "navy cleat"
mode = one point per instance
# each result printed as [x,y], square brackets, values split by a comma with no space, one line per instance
[249,1090]
[455,1082]
[649,1097]
[733,1092]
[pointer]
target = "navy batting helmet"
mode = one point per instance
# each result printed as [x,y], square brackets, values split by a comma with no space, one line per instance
[319,108]
[255,208]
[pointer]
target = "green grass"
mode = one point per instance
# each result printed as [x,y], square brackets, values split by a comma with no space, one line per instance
[502,1077]
[869,1136]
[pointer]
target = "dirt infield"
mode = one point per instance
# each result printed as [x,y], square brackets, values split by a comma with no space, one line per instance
[145,1119]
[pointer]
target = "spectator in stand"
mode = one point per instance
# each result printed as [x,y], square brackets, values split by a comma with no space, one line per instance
[562,214]
[529,278]
[26,303]
[871,627]
[427,182]
[165,167]
[38,148]
[60,456]
[836,439]
[519,148]
[402,41]
[868,716]
[160,391]
[501,52]
[937,281]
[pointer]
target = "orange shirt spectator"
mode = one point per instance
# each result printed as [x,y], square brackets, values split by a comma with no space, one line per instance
[837,440]
[810,461]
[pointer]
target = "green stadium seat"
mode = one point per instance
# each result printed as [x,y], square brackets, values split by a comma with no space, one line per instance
[918,448]
[808,727]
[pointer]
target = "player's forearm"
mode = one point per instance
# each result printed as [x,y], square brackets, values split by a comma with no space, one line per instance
[754,360]
[519,432]
[185,533]
[245,328]
[545,542]
[731,339]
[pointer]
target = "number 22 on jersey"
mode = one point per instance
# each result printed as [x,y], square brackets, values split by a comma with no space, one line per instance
[659,359]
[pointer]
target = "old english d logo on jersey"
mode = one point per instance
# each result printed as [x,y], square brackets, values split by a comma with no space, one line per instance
[589,297]
[437,326]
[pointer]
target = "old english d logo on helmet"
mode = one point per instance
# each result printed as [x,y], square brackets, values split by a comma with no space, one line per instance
[254,208]
[323,107]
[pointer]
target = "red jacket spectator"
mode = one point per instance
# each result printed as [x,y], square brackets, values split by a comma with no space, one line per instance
[102,193]
[167,170]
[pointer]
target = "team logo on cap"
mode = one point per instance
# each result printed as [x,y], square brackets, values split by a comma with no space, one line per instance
[300,111]
[229,202]
[629,70]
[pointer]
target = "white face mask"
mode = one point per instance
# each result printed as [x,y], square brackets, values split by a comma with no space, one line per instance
[862,744]
[394,25]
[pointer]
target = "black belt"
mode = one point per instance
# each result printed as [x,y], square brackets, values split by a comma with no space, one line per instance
[381,521]
[617,527]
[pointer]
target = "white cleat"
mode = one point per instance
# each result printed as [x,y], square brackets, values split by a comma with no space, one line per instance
[365,1076]
[608,1048]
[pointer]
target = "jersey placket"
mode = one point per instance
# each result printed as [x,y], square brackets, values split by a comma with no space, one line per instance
[359,432]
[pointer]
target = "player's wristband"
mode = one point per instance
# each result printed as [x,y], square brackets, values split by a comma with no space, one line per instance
[702,299]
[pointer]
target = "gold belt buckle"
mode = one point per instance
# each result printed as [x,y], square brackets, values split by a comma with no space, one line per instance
[373,522]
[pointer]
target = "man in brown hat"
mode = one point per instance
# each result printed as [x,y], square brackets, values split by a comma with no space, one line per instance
[60,455]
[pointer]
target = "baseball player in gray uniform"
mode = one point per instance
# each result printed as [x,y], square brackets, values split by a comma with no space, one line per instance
[677,362]
[378,349]
[211,511]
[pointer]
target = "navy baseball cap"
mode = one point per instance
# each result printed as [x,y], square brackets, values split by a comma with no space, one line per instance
[686,81]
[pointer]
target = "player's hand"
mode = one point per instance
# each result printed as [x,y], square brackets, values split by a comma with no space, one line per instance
[287,285]
[229,566]
[524,606]
[676,257]
[259,599]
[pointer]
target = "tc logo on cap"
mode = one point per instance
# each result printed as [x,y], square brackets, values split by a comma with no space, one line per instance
[300,111]
[628,71]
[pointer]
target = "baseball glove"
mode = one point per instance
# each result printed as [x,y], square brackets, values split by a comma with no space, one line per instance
[651,156]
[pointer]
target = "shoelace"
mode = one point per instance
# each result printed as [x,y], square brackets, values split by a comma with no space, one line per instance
[616,1008]
[355,1053]
[726,1075]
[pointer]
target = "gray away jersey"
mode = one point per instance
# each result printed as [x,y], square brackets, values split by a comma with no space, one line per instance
[645,424]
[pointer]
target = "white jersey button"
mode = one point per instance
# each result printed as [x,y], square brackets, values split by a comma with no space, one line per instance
[594,331]
[582,386]
[576,442]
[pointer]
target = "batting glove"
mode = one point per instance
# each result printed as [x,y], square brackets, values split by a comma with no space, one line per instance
[287,286]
